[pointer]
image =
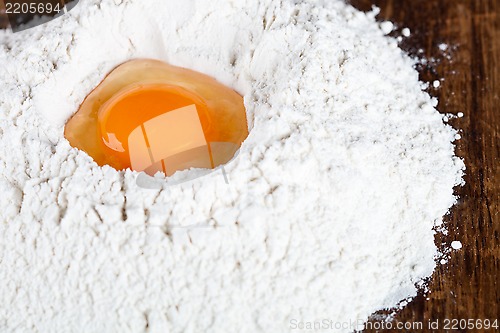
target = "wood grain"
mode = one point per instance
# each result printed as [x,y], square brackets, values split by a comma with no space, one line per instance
[468,286]
[4,20]
[17,19]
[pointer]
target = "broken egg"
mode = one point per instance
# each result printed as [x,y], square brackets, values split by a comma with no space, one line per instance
[149,116]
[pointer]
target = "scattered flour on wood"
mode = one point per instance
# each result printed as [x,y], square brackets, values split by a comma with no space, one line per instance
[331,204]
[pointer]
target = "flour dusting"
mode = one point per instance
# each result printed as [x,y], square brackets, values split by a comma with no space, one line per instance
[331,203]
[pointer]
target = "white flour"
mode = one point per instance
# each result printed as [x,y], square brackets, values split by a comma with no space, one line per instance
[331,204]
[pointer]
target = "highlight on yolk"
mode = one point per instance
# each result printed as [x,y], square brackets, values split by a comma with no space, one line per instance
[149,116]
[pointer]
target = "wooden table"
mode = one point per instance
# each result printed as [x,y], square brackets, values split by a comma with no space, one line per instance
[468,286]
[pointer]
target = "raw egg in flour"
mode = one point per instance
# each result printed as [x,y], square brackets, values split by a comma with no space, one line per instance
[149,116]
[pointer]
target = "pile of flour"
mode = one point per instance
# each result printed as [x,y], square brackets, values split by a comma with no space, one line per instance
[331,205]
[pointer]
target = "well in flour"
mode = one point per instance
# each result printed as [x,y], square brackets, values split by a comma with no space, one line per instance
[331,204]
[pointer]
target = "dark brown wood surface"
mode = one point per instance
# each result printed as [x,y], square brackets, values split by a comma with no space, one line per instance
[468,287]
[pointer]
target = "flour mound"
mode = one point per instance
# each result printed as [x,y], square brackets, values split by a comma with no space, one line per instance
[331,202]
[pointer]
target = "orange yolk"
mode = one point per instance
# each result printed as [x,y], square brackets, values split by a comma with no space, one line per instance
[150,116]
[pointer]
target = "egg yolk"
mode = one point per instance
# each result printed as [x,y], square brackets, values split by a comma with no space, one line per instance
[149,116]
